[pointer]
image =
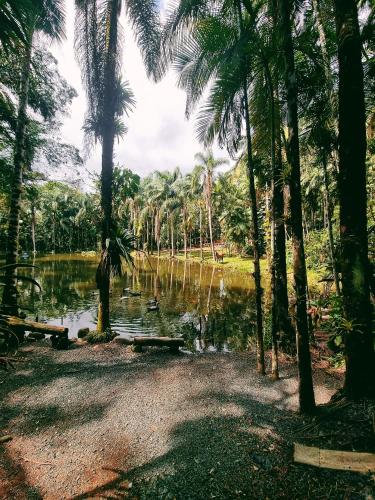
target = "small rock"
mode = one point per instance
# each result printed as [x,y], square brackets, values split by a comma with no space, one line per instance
[36,336]
[83,332]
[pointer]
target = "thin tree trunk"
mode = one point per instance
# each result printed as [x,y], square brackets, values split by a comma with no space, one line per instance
[147,236]
[108,135]
[359,340]
[53,234]
[329,227]
[33,224]
[306,391]
[185,243]
[152,235]
[255,229]
[200,232]
[255,237]
[281,325]
[10,290]
[172,238]
[209,209]
[286,333]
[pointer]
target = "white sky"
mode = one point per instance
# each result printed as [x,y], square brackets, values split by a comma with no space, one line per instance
[159,136]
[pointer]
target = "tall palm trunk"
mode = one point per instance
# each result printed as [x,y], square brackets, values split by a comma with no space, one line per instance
[200,232]
[327,203]
[157,231]
[255,237]
[209,211]
[306,391]
[255,228]
[359,347]
[108,135]
[10,291]
[147,235]
[172,236]
[285,331]
[282,329]
[330,95]
[33,224]
[185,235]
[277,211]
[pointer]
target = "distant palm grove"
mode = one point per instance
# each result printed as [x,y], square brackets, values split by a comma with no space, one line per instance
[287,88]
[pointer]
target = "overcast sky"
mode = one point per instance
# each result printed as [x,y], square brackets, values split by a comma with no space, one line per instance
[159,136]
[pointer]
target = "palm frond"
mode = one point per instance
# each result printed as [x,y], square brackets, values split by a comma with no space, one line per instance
[116,249]
[144,18]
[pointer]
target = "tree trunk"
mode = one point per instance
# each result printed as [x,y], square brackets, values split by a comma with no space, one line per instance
[172,237]
[200,232]
[329,227]
[209,209]
[33,224]
[359,346]
[53,234]
[285,331]
[147,235]
[108,134]
[255,237]
[255,229]
[152,235]
[306,391]
[10,291]
[281,325]
[185,244]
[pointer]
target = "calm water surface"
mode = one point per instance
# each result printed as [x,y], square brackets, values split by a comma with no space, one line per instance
[213,308]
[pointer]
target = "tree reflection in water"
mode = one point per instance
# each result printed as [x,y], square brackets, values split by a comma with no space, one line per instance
[213,308]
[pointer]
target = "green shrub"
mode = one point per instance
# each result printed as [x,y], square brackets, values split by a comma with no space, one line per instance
[94,337]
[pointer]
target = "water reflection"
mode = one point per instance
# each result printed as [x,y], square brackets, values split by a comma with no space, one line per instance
[212,308]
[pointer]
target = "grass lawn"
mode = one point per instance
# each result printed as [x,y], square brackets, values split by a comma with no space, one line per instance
[243,264]
[238,263]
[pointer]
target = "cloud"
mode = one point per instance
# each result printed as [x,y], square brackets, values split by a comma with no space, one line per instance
[159,136]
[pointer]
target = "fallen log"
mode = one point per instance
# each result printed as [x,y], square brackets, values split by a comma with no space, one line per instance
[159,341]
[123,340]
[5,439]
[332,459]
[16,323]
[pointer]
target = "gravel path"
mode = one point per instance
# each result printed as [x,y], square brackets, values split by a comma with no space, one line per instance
[103,422]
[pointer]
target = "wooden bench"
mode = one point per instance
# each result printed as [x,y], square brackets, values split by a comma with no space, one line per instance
[59,334]
[148,341]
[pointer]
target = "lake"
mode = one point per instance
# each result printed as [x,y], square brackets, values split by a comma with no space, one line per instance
[212,307]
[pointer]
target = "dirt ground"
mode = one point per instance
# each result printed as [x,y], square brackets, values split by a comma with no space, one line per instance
[104,422]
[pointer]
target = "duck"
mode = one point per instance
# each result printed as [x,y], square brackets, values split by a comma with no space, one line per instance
[154,306]
[152,302]
[133,293]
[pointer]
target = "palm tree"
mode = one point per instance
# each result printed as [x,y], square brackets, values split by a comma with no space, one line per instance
[167,203]
[183,194]
[284,26]
[254,211]
[207,165]
[359,341]
[46,17]
[98,49]
[224,67]
[197,189]
[15,17]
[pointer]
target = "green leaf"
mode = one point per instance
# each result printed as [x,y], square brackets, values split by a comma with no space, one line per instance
[26,278]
